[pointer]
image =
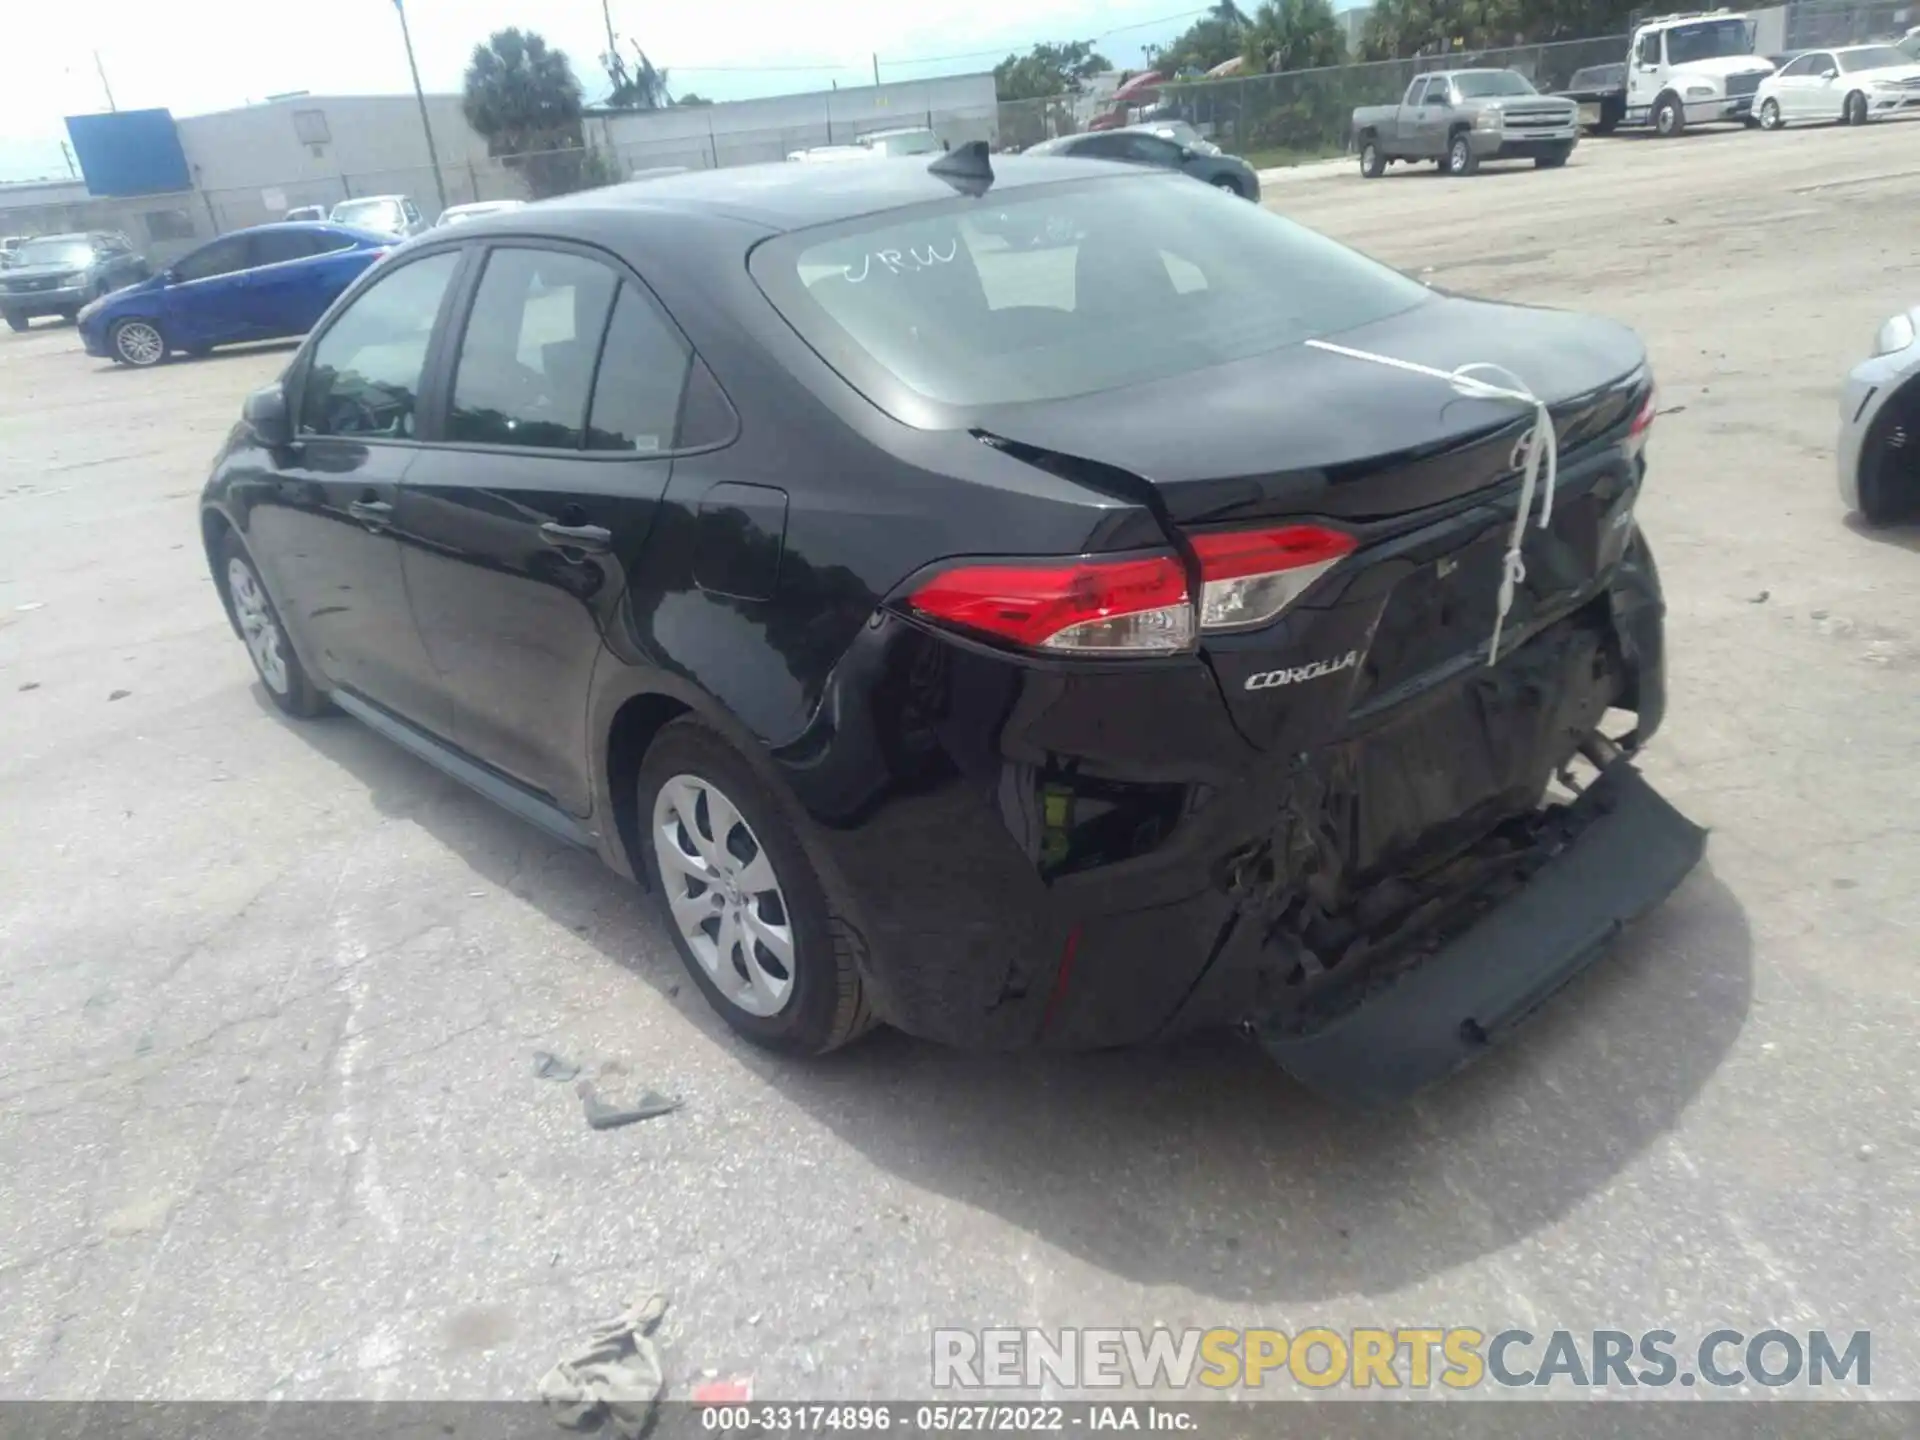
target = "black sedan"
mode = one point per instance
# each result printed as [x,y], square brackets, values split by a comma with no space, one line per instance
[1055,647]
[1165,148]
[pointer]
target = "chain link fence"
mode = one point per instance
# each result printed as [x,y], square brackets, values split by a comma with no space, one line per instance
[1300,114]
[1812,24]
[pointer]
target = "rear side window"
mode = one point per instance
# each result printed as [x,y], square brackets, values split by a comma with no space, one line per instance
[274,247]
[526,362]
[1120,282]
[222,257]
[643,372]
[364,378]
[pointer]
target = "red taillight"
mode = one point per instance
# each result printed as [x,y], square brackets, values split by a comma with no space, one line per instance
[1642,425]
[1252,575]
[1136,607]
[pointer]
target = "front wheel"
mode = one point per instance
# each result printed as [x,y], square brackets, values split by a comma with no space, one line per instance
[1770,116]
[138,343]
[1460,157]
[1373,164]
[1855,112]
[17,322]
[749,912]
[1669,119]
[1230,185]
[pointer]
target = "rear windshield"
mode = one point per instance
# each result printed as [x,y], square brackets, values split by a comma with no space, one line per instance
[1478,84]
[1066,290]
[368,214]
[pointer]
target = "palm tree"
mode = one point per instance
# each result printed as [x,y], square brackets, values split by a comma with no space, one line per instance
[521,95]
[1293,35]
[1228,13]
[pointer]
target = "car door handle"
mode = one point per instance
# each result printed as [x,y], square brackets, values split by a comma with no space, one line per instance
[577,537]
[372,513]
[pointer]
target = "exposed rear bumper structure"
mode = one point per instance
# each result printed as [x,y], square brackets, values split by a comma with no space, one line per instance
[1623,850]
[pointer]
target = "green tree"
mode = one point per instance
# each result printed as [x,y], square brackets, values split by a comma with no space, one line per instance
[692,99]
[1293,35]
[521,95]
[1048,70]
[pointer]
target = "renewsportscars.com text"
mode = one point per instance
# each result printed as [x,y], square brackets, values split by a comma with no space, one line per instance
[1459,1358]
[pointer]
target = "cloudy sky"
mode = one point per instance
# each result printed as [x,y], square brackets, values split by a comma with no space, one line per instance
[191,56]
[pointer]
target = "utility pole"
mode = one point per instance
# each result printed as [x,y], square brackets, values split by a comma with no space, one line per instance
[426,125]
[97,65]
[67,151]
[876,68]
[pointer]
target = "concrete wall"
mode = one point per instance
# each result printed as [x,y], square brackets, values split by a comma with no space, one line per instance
[745,132]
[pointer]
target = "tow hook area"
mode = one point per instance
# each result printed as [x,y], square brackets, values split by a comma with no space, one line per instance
[1401,1029]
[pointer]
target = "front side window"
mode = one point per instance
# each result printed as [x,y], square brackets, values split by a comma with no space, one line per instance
[364,378]
[222,257]
[643,370]
[526,361]
[1801,65]
[1161,277]
[1650,48]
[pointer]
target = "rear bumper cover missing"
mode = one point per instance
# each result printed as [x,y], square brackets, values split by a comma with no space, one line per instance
[1427,1019]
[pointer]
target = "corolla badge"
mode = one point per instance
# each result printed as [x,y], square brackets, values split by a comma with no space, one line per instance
[1313,670]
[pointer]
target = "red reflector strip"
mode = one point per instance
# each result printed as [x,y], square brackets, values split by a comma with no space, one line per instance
[1231,554]
[1028,604]
[1643,421]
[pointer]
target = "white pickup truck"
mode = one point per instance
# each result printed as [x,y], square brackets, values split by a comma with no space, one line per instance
[1681,70]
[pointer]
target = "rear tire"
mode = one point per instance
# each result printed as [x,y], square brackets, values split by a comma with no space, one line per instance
[1854,112]
[1770,116]
[1460,157]
[765,884]
[282,675]
[1373,164]
[1669,117]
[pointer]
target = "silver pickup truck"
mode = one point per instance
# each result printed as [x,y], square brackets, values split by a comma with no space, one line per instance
[1459,118]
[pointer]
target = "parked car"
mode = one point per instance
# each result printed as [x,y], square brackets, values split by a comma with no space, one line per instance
[1850,83]
[658,517]
[1680,70]
[58,274]
[473,210]
[1879,449]
[259,284]
[1460,118]
[306,212]
[1140,145]
[911,140]
[831,154]
[380,214]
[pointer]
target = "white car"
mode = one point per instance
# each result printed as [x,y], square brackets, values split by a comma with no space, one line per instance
[473,210]
[1851,83]
[1879,449]
[831,154]
[913,140]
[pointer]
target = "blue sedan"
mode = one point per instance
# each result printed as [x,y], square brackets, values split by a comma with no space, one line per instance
[261,284]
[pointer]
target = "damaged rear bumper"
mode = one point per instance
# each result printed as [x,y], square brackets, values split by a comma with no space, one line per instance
[1622,851]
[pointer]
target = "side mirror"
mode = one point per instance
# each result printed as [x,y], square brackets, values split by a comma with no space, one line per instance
[1829,74]
[170,275]
[266,414]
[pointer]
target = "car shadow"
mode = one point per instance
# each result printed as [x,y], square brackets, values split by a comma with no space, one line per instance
[1904,536]
[1201,1163]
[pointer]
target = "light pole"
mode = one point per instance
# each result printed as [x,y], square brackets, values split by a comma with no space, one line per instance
[426,125]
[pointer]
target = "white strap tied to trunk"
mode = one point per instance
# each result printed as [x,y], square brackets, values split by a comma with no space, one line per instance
[1543,453]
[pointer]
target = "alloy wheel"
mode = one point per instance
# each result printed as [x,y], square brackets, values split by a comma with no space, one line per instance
[1770,116]
[257,625]
[139,343]
[724,895]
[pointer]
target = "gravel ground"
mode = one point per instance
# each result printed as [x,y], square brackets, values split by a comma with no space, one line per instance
[269,992]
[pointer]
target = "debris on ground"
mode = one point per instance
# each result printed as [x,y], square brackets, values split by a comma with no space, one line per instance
[614,1379]
[1759,599]
[30,685]
[27,605]
[119,694]
[723,1392]
[604,1116]
[549,1066]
